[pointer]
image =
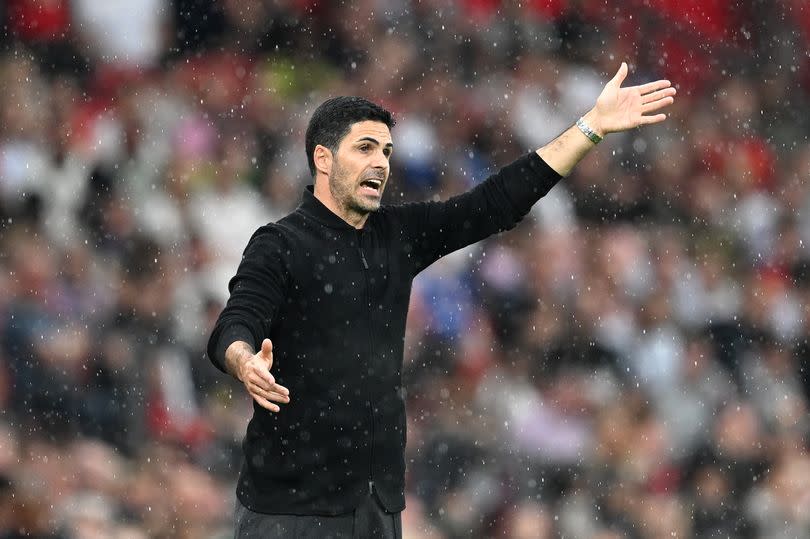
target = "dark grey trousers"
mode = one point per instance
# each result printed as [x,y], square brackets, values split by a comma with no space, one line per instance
[367,521]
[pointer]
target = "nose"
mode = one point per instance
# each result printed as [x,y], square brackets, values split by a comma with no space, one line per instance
[380,160]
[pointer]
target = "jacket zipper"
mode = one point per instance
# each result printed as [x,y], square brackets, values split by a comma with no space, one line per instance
[371,356]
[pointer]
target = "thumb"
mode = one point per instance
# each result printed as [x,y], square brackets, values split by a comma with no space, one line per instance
[620,75]
[266,352]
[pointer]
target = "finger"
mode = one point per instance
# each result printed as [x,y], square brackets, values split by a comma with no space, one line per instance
[266,382]
[264,403]
[655,105]
[260,384]
[270,395]
[620,75]
[659,94]
[653,86]
[267,350]
[261,377]
[280,389]
[647,120]
[278,397]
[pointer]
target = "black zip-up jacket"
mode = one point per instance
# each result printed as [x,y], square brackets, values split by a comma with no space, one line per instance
[333,299]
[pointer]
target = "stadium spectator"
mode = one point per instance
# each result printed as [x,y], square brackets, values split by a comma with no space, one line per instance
[697,232]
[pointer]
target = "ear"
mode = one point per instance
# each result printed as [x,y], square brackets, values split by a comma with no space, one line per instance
[323,160]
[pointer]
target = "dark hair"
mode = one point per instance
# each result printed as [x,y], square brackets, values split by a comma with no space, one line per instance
[333,119]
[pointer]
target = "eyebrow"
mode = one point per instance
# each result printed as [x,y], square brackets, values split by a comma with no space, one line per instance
[375,141]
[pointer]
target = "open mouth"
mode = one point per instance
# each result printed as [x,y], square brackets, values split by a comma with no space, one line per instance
[372,184]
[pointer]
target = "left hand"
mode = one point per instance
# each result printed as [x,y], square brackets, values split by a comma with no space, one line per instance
[620,109]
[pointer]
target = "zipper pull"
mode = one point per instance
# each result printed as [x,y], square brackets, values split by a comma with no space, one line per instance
[363,257]
[360,248]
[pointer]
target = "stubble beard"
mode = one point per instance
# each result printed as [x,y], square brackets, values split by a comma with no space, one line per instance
[344,192]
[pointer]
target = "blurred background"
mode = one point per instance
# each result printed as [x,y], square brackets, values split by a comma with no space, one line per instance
[631,361]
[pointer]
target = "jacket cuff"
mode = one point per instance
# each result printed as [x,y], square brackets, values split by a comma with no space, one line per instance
[547,175]
[230,335]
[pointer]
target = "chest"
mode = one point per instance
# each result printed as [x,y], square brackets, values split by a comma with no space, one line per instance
[342,273]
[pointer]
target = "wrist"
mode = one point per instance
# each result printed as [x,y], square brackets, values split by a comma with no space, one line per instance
[236,357]
[592,120]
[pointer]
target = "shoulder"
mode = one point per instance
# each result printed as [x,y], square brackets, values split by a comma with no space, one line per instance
[389,218]
[273,239]
[398,212]
[285,229]
[269,233]
[405,216]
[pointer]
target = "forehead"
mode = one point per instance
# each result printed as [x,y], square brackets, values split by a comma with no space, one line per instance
[369,128]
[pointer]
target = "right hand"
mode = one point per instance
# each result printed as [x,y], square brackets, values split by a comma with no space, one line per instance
[254,372]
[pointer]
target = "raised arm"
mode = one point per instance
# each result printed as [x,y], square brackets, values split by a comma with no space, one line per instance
[433,229]
[616,109]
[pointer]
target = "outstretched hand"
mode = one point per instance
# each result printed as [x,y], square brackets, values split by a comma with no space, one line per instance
[620,109]
[255,374]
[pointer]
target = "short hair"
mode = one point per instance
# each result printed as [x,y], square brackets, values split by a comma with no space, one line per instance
[333,120]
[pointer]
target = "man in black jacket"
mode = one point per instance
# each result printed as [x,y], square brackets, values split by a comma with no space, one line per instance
[321,297]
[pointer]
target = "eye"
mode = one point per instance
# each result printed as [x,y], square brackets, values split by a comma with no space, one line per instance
[364,147]
[387,152]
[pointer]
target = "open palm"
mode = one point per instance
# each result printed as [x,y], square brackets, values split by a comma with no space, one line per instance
[620,108]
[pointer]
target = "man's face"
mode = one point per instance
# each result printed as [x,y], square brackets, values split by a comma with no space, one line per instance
[361,167]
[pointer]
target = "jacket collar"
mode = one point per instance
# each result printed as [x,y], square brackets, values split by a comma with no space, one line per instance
[314,208]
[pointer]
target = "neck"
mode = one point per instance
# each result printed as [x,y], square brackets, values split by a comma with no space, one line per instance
[324,195]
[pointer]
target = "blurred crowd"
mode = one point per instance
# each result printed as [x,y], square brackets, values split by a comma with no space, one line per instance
[631,361]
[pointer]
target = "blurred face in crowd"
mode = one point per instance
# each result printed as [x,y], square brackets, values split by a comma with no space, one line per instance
[358,172]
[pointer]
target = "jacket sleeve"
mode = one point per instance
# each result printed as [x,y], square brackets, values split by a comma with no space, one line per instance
[256,293]
[431,230]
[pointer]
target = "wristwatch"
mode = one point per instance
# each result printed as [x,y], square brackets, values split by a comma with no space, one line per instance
[588,132]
